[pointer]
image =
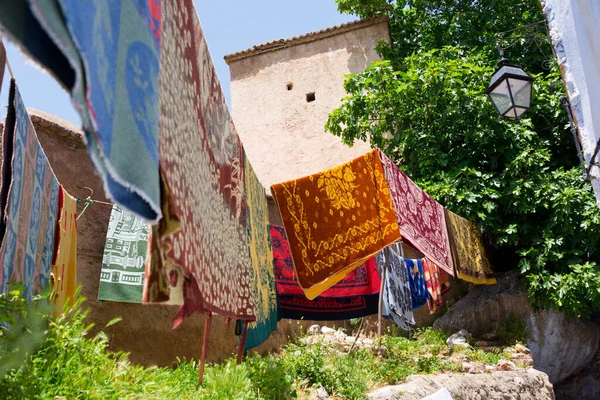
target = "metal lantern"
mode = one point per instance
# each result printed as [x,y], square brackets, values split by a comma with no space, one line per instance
[510,90]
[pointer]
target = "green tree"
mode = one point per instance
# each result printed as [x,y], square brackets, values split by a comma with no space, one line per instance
[424,106]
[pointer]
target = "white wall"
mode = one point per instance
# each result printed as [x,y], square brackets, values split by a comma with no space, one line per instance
[575,31]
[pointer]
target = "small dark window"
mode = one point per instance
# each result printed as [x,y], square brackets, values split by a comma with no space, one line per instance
[310,97]
[290,86]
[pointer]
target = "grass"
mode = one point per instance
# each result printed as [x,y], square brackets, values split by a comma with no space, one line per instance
[67,363]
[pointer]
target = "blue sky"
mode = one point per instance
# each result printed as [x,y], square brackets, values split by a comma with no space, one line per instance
[229,26]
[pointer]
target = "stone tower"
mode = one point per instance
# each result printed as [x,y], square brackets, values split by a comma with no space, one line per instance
[283,91]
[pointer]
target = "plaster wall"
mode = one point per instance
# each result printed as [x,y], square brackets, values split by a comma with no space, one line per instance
[283,134]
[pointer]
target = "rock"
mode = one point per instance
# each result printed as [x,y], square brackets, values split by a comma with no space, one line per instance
[560,346]
[522,384]
[505,365]
[459,339]
[580,388]
[466,367]
[319,394]
[350,339]
[313,329]
[522,349]
[325,330]
[367,342]
[490,368]
[485,308]
[381,351]
[522,360]
[339,335]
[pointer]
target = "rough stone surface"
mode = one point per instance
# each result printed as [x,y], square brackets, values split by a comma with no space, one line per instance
[585,385]
[485,308]
[519,385]
[560,346]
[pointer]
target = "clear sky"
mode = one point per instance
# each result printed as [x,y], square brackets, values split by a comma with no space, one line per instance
[229,26]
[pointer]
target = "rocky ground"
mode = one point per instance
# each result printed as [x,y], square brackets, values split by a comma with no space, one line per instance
[512,372]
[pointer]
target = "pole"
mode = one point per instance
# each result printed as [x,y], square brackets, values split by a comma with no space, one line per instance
[207,324]
[242,343]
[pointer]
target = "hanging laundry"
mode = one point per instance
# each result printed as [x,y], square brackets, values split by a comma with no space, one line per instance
[364,280]
[202,165]
[64,269]
[122,273]
[29,203]
[115,45]
[432,282]
[397,303]
[262,279]
[420,217]
[416,279]
[470,259]
[2,62]
[354,296]
[444,280]
[328,308]
[18,22]
[336,220]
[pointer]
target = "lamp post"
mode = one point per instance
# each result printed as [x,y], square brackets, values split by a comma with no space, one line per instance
[510,90]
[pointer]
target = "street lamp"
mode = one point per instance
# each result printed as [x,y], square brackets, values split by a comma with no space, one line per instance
[510,90]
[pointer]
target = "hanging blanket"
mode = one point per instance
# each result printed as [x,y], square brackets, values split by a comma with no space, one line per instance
[420,217]
[434,288]
[64,269]
[261,256]
[106,53]
[336,220]
[202,164]
[30,207]
[328,308]
[397,299]
[469,255]
[416,279]
[364,280]
[122,274]
[354,296]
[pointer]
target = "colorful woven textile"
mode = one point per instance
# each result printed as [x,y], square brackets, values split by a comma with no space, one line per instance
[354,296]
[364,280]
[328,308]
[420,217]
[20,25]
[202,164]
[397,298]
[432,281]
[470,260]
[115,46]
[31,205]
[336,220]
[262,279]
[416,279]
[122,274]
[64,269]
[444,280]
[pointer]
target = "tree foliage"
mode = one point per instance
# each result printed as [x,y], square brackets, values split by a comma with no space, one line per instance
[423,104]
